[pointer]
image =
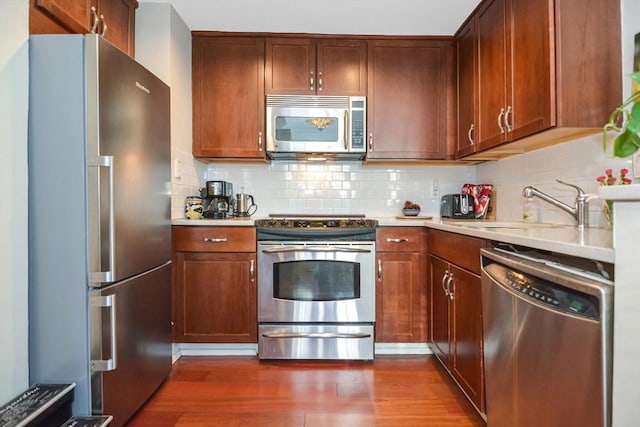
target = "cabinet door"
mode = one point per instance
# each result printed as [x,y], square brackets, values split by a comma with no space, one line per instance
[290,66]
[119,16]
[407,99]
[401,298]
[466,363]
[228,97]
[439,270]
[60,16]
[466,89]
[492,74]
[215,298]
[342,67]
[533,99]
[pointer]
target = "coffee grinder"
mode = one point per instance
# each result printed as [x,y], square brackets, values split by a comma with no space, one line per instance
[217,200]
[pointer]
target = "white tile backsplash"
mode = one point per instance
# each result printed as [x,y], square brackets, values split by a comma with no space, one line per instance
[380,190]
[340,187]
[577,162]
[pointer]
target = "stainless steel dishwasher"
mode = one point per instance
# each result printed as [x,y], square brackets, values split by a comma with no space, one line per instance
[547,324]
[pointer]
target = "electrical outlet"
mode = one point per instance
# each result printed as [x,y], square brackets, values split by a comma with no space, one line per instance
[435,190]
[177,169]
[636,165]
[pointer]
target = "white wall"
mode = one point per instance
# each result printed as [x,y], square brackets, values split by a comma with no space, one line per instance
[163,45]
[14,64]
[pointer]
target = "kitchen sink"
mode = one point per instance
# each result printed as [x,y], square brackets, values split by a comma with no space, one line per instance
[501,224]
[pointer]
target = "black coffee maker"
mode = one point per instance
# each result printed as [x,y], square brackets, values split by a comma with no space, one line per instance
[217,199]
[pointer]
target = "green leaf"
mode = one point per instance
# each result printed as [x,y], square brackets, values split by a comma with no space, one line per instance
[626,144]
[635,77]
[633,123]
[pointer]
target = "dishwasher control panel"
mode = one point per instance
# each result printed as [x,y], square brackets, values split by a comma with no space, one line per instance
[544,292]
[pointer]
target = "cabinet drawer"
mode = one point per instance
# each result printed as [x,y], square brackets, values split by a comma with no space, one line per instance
[214,239]
[463,251]
[399,239]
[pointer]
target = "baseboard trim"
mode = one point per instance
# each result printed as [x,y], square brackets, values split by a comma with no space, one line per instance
[190,349]
[402,348]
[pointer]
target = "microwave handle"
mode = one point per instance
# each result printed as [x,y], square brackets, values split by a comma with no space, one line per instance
[347,131]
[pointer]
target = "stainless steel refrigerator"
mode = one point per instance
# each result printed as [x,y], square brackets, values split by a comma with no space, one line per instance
[99,224]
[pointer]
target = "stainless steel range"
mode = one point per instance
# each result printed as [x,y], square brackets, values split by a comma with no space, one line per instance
[316,287]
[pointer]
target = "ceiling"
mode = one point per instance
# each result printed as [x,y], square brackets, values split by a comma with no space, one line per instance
[373,17]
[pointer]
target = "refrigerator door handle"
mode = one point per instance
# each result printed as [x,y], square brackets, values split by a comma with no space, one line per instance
[108,301]
[105,275]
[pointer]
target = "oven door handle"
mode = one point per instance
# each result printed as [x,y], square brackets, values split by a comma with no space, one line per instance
[317,335]
[286,249]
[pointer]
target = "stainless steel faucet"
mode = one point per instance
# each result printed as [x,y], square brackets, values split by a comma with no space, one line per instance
[580,211]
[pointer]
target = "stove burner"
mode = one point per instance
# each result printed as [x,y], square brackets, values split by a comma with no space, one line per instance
[316,223]
[354,227]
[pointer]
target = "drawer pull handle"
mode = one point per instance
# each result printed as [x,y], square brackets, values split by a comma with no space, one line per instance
[252,271]
[215,240]
[397,240]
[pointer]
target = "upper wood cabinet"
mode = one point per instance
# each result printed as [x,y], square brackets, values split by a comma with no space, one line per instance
[466,89]
[228,97]
[409,98]
[541,65]
[115,19]
[307,66]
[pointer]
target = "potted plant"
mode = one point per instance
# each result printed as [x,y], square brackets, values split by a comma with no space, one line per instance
[627,142]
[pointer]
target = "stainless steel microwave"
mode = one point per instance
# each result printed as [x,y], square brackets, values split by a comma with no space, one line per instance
[303,126]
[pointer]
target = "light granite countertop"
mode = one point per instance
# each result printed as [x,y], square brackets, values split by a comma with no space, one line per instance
[592,243]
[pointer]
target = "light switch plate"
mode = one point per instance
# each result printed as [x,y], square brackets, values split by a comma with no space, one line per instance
[636,165]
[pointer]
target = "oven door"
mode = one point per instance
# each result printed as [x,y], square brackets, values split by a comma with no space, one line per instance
[316,282]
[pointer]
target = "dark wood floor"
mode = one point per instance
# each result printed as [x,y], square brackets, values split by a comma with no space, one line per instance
[401,391]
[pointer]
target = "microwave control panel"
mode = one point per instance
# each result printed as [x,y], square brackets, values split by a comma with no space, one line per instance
[358,122]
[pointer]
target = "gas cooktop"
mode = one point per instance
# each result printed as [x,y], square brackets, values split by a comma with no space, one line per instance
[314,227]
[316,221]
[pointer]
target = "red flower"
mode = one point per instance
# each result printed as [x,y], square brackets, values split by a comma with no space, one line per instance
[609,179]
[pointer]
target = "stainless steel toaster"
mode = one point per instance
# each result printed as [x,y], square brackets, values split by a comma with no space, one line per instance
[457,206]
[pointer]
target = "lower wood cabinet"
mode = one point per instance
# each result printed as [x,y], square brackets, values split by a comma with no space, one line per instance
[401,288]
[214,289]
[456,310]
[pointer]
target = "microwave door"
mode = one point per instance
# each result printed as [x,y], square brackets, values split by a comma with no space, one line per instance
[308,130]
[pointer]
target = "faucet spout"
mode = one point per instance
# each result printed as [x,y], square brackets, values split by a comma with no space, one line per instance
[580,211]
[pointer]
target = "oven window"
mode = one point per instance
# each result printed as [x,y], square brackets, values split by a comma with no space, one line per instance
[307,129]
[316,280]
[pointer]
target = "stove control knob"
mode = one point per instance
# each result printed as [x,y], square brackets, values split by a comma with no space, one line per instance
[271,223]
[361,222]
[283,222]
[302,224]
[331,223]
